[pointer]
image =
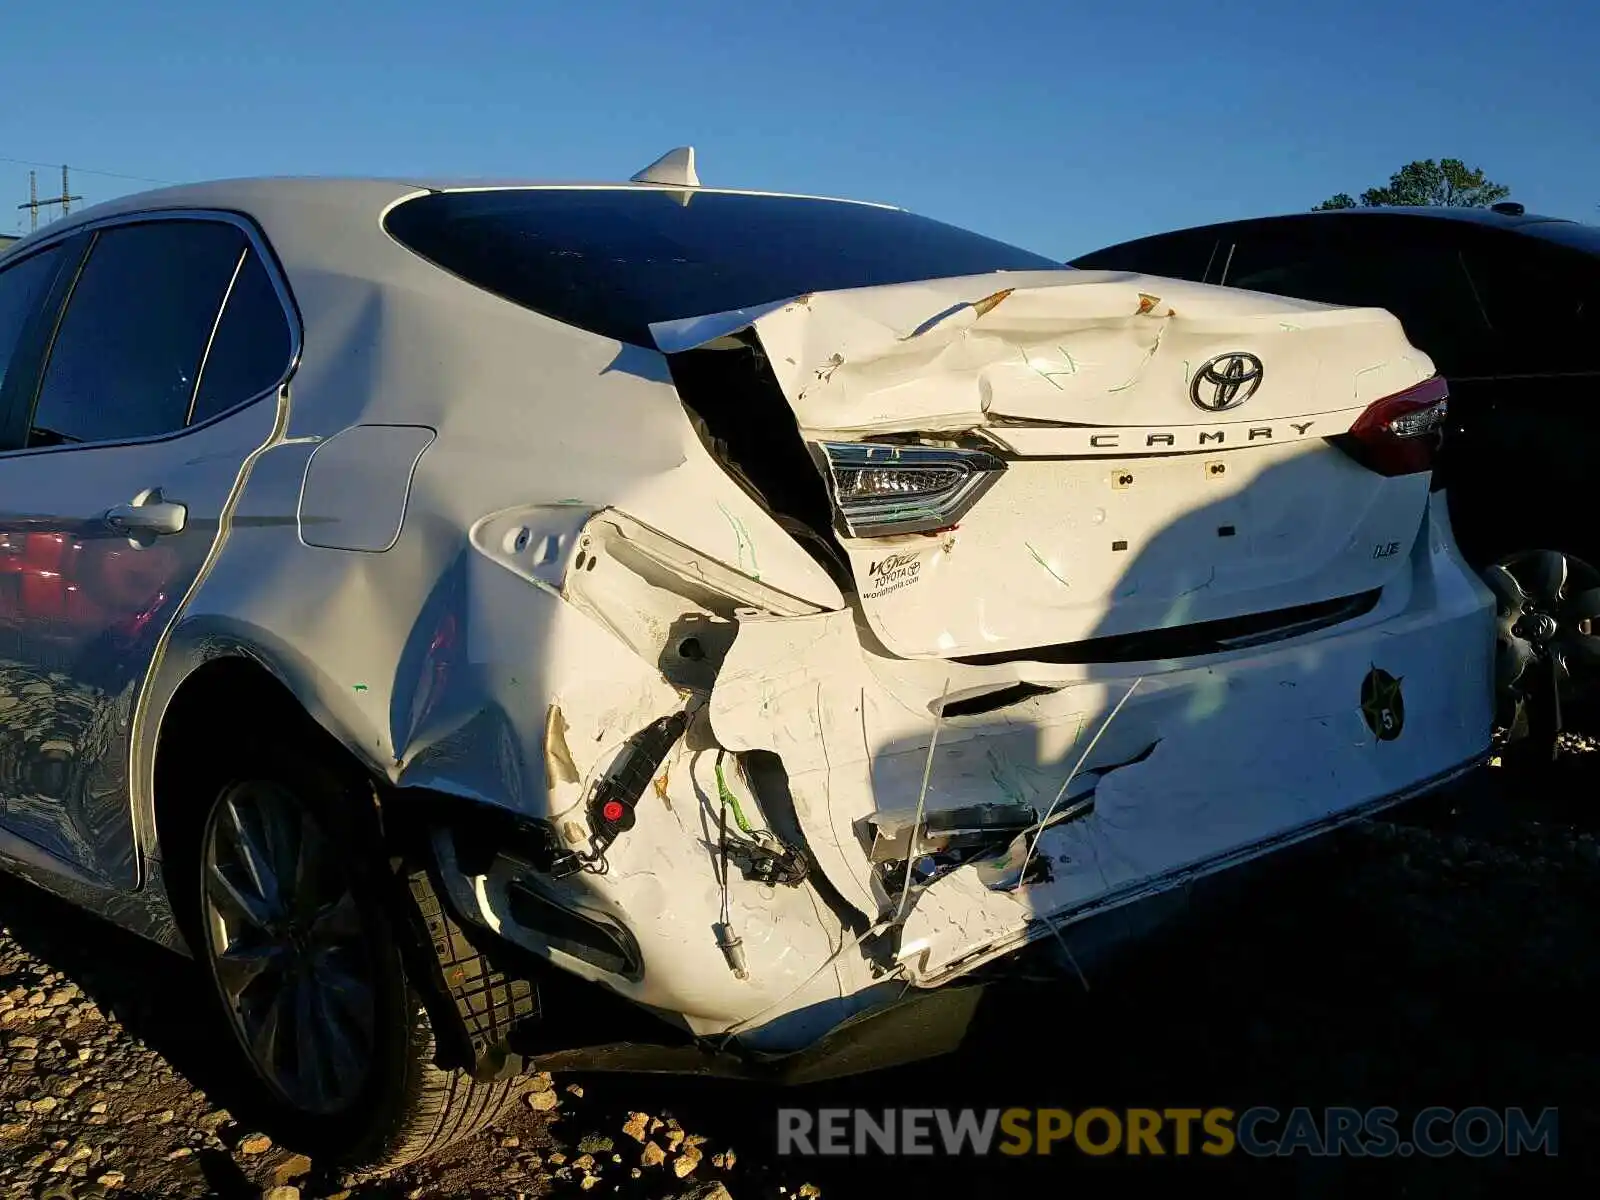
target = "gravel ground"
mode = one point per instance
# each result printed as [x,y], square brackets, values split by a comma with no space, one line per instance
[1448,958]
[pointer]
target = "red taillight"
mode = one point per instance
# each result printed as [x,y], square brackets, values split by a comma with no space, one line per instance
[1400,434]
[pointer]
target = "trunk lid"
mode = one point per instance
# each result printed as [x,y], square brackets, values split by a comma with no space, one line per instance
[1162,449]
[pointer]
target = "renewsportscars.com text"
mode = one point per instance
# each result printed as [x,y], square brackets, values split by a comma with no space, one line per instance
[1260,1131]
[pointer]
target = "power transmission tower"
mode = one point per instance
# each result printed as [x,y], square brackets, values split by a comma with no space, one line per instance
[34,204]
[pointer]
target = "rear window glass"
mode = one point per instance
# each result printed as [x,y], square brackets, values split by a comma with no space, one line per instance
[1185,255]
[614,261]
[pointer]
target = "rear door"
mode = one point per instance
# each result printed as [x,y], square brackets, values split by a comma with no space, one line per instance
[120,459]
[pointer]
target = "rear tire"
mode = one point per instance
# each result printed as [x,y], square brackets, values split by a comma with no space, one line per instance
[294,915]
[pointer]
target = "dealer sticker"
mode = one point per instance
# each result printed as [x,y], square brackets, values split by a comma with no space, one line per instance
[892,573]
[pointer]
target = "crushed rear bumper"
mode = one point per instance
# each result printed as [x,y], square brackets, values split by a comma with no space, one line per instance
[1210,763]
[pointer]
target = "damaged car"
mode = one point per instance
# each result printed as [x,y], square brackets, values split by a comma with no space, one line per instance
[763,612]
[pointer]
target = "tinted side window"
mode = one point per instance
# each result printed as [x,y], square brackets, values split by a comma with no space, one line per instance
[22,289]
[128,350]
[1400,267]
[1542,303]
[250,350]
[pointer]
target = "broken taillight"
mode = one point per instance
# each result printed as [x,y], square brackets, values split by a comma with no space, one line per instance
[1400,434]
[883,489]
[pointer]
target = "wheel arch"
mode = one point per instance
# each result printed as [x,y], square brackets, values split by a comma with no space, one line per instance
[205,707]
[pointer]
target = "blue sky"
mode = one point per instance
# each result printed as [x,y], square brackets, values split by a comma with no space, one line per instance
[1059,126]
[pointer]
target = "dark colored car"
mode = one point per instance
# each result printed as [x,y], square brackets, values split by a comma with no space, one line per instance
[1507,304]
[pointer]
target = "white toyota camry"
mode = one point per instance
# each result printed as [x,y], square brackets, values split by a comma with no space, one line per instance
[763,609]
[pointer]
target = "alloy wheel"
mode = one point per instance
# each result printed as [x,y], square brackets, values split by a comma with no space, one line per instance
[1547,604]
[287,946]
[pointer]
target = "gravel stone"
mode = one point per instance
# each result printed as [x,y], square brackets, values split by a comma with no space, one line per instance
[546,1101]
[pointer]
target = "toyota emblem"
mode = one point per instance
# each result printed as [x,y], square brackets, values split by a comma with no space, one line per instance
[1226,381]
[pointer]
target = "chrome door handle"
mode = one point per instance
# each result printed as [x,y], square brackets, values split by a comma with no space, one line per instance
[155,516]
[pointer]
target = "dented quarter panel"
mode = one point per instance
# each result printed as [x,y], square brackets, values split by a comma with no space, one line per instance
[661,883]
[349,633]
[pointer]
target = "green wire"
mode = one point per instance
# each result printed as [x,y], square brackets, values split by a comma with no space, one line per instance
[729,800]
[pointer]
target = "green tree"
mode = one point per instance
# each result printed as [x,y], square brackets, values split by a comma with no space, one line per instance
[1448,182]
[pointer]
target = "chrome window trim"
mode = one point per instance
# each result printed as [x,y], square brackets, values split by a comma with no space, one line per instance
[211,338]
[258,243]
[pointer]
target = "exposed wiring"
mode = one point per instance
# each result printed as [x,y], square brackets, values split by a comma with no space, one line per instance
[922,800]
[1038,829]
[732,1031]
[761,855]
[729,800]
[722,845]
[1067,950]
[728,1034]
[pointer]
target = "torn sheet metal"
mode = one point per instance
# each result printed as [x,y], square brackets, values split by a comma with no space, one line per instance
[661,883]
[1064,347]
[1240,751]
[1107,518]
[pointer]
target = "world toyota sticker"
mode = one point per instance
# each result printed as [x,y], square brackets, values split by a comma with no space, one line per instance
[892,573]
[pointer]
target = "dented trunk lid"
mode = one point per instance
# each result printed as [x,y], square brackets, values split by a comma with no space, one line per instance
[1165,449]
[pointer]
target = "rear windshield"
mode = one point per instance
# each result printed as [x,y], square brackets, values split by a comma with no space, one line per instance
[614,261]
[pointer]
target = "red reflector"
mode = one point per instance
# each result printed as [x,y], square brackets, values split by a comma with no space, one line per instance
[1400,434]
[612,810]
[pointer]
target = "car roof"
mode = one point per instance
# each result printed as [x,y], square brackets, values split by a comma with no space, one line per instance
[1476,216]
[1439,212]
[370,194]
[1555,231]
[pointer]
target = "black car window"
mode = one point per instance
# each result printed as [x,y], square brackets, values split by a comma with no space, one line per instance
[1542,302]
[1188,254]
[1261,259]
[128,349]
[252,345]
[1566,233]
[1371,263]
[23,285]
[613,261]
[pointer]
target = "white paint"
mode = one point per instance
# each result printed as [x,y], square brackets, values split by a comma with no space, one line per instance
[1248,747]
[1078,546]
[446,661]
